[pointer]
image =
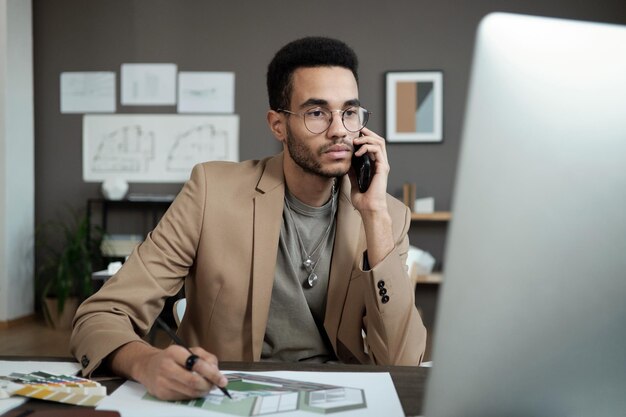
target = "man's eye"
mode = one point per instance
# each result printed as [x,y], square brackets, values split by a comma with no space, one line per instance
[350,113]
[317,114]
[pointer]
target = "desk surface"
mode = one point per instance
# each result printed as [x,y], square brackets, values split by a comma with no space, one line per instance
[409,381]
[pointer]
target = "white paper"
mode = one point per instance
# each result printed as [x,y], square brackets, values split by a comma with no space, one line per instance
[88,92]
[148,84]
[381,398]
[206,92]
[8,367]
[424,205]
[155,148]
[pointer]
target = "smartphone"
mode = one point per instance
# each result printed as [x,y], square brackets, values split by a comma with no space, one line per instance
[362,166]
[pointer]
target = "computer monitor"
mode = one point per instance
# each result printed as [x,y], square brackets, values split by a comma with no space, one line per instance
[531,318]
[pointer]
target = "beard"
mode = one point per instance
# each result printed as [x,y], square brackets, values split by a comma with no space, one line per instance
[309,160]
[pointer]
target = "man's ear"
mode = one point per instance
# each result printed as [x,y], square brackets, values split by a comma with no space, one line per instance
[277,125]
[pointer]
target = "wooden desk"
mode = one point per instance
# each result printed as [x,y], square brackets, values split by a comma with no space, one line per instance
[409,381]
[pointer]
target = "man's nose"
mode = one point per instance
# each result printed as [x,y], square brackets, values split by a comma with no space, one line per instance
[336,127]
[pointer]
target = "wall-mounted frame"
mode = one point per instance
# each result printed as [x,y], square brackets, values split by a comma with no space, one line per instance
[414,106]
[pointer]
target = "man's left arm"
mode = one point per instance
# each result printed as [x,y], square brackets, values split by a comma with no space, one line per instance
[395,334]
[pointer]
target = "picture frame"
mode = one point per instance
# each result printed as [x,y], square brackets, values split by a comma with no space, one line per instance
[414,110]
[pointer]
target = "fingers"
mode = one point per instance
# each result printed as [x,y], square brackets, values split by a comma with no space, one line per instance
[207,366]
[373,144]
[374,200]
[170,380]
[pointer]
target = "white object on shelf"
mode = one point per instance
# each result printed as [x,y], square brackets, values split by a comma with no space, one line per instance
[114,188]
[419,262]
[113,267]
[102,275]
[119,246]
[424,205]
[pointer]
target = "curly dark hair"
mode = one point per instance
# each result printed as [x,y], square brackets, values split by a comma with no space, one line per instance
[312,51]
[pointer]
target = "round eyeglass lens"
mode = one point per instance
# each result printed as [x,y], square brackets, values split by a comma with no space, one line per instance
[318,120]
[355,118]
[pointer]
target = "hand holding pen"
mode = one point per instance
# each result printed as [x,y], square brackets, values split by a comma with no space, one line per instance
[192,359]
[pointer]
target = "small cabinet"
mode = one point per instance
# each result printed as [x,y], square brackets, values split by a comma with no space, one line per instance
[135,216]
[124,223]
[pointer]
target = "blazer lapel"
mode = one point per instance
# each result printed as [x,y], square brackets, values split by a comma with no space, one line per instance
[347,238]
[268,208]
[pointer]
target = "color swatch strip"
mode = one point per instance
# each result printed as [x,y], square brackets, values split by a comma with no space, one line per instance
[59,388]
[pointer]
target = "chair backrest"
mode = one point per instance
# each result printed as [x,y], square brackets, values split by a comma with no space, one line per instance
[179,310]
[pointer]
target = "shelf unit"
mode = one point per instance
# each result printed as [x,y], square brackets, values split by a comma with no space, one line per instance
[438,216]
[434,278]
[152,208]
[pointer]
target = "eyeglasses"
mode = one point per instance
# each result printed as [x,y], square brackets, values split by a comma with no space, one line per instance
[318,119]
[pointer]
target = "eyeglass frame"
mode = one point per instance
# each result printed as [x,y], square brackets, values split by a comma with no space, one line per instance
[330,121]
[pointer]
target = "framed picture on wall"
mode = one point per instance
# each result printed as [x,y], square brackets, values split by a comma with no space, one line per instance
[414,106]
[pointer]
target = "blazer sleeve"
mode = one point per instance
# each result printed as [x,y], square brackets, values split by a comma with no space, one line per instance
[394,332]
[124,309]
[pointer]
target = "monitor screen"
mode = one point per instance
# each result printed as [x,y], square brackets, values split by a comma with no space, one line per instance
[531,318]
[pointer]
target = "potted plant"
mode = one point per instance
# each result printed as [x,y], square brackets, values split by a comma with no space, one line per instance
[67,251]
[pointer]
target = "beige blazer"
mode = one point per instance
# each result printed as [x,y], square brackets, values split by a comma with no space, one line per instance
[220,238]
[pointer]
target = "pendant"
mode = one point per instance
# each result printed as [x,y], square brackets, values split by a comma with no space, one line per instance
[308,264]
[312,280]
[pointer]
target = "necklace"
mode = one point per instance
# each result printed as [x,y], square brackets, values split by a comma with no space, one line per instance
[307,258]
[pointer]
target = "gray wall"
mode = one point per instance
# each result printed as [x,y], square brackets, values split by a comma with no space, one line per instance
[80,35]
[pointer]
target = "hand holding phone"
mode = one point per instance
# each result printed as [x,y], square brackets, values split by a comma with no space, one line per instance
[362,166]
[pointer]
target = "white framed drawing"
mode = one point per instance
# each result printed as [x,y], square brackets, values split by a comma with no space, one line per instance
[148,84]
[414,110]
[155,148]
[206,92]
[88,92]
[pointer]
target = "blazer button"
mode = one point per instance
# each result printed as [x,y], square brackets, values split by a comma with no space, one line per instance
[381,284]
[84,361]
[382,291]
[385,299]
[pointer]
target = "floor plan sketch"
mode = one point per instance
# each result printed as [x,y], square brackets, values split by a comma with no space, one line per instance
[126,149]
[193,145]
[155,148]
[257,395]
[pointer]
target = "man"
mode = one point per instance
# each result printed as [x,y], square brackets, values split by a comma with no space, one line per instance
[282,259]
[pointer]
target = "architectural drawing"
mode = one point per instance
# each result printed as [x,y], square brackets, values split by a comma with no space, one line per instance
[148,84]
[155,148]
[126,149]
[191,145]
[88,92]
[206,92]
[257,395]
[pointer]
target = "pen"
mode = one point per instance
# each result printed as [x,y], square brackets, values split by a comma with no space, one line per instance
[179,341]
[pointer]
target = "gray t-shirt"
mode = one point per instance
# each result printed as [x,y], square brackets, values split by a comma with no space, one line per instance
[295,326]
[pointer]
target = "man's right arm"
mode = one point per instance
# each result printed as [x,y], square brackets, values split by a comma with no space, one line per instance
[124,309]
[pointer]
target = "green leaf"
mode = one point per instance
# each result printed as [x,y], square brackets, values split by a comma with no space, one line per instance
[67,250]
